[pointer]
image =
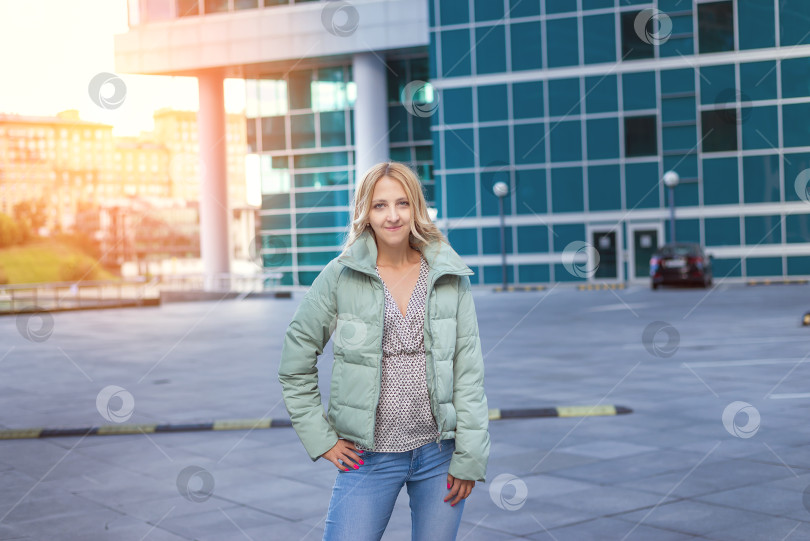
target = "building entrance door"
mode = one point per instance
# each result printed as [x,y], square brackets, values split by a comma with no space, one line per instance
[644,239]
[605,244]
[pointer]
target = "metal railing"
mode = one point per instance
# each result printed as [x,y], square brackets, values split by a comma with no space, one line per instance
[75,295]
[222,282]
[107,293]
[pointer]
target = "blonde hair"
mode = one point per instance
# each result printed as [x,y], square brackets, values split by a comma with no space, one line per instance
[423,230]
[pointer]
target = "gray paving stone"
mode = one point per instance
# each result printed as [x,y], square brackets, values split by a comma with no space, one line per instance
[710,478]
[607,449]
[282,497]
[587,478]
[224,521]
[607,500]
[122,487]
[123,528]
[503,449]
[40,505]
[608,529]
[791,457]
[767,529]
[65,525]
[548,486]
[692,517]
[42,532]
[539,461]
[763,499]
[532,517]
[798,483]
[732,448]
[469,531]
[634,467]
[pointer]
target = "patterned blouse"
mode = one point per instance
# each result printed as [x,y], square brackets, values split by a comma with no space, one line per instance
[404,420]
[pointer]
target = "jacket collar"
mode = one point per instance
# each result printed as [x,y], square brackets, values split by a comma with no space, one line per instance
[440,256]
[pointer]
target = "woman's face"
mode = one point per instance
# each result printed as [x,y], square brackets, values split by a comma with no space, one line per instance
[390,213]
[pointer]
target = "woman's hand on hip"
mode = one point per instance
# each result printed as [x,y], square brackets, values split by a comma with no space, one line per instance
[346,451]
[459,489]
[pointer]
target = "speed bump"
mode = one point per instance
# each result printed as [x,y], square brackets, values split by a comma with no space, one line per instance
[559,411]
[776,282]
[594,287]
[123,429]
[252,424]
[519,288]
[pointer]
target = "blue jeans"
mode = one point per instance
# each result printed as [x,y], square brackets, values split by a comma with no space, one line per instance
[363,499]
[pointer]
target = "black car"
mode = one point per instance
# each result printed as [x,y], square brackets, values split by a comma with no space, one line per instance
[680,263]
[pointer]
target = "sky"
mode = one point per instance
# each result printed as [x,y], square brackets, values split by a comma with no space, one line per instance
[50,50]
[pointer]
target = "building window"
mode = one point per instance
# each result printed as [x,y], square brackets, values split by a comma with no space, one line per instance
[302,131]
[633,47]
[329,91]
[716,27]
[250,124]
[216,6]
[300,89]
[719,130]
[188,8]
[793,21]
[273,133]
[640,136]
[333,128]
[562,38]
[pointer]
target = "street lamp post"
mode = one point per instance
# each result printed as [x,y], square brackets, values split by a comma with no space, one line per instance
[671,179]
[501,189]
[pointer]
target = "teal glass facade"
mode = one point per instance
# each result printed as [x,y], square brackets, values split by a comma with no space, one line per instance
[581,115]
[301,152]
[581,111]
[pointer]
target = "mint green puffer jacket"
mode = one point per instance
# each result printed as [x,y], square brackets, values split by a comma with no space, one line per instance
[347,298]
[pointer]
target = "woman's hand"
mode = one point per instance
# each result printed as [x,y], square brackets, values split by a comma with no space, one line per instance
[346,451]
[459,489]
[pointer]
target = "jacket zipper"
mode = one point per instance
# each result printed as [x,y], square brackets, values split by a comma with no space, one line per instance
[379,370]
[432,360]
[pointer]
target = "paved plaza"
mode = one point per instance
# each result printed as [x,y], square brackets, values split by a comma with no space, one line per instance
[717,446]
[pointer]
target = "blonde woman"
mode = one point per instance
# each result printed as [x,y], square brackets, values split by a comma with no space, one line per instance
[407,403]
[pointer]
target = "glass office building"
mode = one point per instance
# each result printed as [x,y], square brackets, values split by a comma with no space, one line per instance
[579,106]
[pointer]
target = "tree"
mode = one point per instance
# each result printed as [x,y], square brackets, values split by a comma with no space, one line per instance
[10,233]
[30,216]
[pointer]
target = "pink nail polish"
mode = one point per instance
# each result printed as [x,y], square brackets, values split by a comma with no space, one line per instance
[356,466]
[361,462]
[448,485]
[359,451]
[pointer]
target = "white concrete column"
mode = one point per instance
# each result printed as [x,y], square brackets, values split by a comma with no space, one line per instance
[214,215]
[370,112]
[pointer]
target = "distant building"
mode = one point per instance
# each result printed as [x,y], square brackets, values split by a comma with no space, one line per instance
[141,168]
[121,190]
[58,160]
[176,131]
